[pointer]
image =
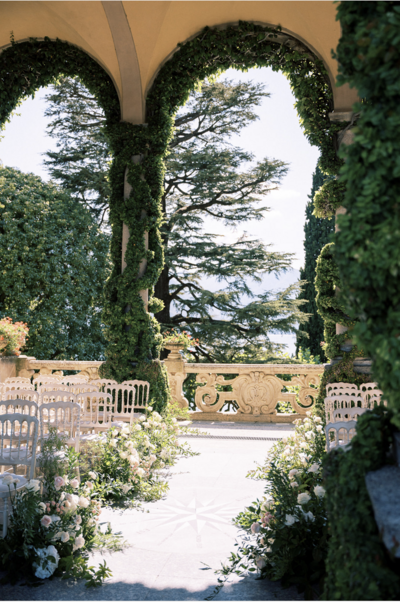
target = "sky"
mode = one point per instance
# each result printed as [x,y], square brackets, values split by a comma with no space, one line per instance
[276,135]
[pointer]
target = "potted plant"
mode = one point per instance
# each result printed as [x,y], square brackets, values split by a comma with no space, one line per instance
[176,341]
[12,336]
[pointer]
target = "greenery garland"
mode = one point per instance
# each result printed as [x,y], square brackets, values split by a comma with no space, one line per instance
[359,567]
[133,335]
[368,242]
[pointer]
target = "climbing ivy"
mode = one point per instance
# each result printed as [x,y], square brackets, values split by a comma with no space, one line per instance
[328,198]
[368,251]
[133,335]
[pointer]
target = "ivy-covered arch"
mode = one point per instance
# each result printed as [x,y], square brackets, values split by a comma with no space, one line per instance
[133,335]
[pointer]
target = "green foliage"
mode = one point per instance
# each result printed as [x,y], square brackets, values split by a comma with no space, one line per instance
[53,263]
[329,302]
[286,533]
[328,198]
[367,248]
[359,566]
[317,234]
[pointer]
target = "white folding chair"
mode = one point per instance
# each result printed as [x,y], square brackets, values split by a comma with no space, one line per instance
[77,389]
[96,411]
[103,383]
[340,402]
[346,414]
[45,379]
[23,394]
[339,433]
[65,417]
[372,397]
[19,406]
[18,441]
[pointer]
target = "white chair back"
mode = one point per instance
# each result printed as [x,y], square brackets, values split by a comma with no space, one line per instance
[77,379]
[76,389]
[96,410]
[18,379]
[373,398]
[340,388]
[142,388]
[346,414]
[17,386]
[19,406]
[44,379]
[53,386]
[103,384]
[65,417]
[340,402]
[339,433]
[27,394]
[18,441]
[53,395]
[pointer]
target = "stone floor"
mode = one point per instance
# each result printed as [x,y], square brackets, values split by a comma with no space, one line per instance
[172,538]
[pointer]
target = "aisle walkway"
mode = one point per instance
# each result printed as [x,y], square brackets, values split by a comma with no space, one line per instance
[173,537]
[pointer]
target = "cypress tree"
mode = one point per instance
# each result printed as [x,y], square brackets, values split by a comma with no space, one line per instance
[317,234]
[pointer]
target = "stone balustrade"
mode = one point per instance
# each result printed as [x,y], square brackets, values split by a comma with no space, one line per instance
[250,396]
[253,392]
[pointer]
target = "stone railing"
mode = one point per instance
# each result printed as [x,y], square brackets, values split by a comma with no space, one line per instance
[254,391]
[28,366]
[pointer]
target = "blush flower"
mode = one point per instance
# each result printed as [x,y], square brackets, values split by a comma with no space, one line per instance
[255,528]
[45,521]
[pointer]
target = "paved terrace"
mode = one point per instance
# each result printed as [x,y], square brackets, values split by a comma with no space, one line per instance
[171,539]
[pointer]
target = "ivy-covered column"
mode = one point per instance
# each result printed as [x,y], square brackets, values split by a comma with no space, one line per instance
[134,339]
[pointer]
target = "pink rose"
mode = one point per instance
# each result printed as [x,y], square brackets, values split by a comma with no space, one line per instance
[255,528]
[74,483]
[58,483]
[45,520]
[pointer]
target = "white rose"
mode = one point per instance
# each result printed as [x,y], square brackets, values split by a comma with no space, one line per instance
[294,484]
[126,488]
[293,473]
[79,542]
[150,408]
[89,485]
[137,427]
[78,519]
[310,435]
[146,425]
[74,483]
[309,516]
[123,455]
[42,506]
[64,537]
[319,428]
[112,443]
[83,502]
[92,475]
[303,498]
[140,472]
[314,468]
[152,459]
[142,417]
[290,520]
[33,485]
[317,419]
[8,479]
[319,491]
[303,445]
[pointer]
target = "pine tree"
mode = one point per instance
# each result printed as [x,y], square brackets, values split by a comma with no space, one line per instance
[206,177]
[317,234]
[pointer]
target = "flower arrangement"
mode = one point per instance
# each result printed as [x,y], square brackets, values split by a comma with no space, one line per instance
[125,462]
[52,528]
[286,532]
[12,336]
[184,339]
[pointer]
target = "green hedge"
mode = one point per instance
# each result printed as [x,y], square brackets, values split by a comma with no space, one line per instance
[367,247]
[358,565]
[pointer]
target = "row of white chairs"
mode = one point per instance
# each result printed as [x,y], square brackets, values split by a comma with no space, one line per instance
[344,403]
[18,387]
